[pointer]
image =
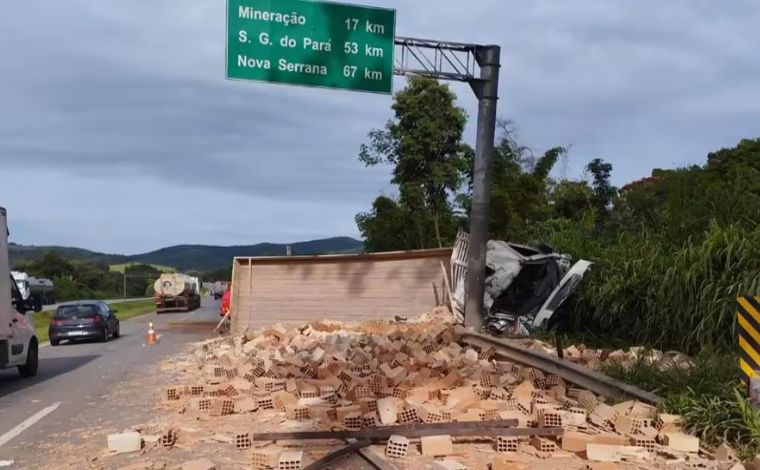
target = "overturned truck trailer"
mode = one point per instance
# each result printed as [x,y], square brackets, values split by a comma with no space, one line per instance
[356,287]
[177,293]
[525,286]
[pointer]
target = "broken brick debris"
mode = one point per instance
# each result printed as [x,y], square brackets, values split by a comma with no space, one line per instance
[352,378]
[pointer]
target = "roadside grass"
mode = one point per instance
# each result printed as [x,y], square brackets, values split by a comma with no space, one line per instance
[126,310]
[709,397]
[120,268]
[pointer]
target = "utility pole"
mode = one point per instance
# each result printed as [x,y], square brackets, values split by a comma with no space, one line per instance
[458,62]
[125,282]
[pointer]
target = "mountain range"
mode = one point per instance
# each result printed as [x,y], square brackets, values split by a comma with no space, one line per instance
[191,257]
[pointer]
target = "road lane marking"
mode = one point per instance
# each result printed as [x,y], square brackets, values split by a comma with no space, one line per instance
[13,433]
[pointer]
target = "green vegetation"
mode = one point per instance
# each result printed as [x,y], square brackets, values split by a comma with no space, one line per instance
[126,310]
[671,252]
[121,268]
[75,280]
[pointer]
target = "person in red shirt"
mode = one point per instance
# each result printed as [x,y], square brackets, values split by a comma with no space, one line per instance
[225,308]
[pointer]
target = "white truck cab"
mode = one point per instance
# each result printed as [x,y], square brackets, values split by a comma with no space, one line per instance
[18,339]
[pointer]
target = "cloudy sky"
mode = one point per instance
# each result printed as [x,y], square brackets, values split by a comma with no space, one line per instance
[119,132]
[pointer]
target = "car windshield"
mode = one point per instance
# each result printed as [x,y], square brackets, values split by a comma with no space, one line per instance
[76,311]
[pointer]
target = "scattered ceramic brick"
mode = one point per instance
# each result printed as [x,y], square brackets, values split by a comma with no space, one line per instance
[265,458]
[681,442]
[397,447]
[381,373]
[611,453]
[290,460]
[575,441]
[436,446]
[388,410]
[246,405]
[505,444]
[125,442]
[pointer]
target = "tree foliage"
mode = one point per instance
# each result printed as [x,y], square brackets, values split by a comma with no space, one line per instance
[75,280]
[519,187]
[423,144]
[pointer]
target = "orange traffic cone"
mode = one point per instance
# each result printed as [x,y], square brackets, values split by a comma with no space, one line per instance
[152,339]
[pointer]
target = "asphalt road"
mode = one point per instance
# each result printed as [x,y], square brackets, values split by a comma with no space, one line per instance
[75,382]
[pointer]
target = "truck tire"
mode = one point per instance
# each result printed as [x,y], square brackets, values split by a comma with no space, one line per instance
[32,361]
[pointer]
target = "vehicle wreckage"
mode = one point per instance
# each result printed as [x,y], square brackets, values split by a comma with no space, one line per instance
[524,286]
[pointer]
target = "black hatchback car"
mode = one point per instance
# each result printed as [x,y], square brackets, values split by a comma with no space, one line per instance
[83,320]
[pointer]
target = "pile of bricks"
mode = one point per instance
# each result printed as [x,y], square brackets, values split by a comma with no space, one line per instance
[599,358]
[352,376]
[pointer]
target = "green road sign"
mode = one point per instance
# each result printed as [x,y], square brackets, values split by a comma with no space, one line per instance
[312,43]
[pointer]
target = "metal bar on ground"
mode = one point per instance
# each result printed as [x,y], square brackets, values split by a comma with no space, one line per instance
[339,454]
[578,375]
[485,429]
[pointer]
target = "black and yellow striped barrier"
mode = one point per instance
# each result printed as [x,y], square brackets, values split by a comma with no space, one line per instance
[748,316]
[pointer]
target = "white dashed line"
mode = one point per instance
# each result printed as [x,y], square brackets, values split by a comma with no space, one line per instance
[13,433]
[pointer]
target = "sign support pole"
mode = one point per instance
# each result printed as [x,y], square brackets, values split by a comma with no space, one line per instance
[459,62]
[487,91]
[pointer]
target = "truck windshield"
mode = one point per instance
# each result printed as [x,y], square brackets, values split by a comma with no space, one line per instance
[76,311]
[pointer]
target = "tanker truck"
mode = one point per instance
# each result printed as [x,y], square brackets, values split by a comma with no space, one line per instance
[177,293]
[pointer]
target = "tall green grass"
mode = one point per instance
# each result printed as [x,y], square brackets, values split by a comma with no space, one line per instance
[645,290]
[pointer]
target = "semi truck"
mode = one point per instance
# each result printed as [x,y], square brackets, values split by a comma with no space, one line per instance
[177,293]
[36,292]
[19,345]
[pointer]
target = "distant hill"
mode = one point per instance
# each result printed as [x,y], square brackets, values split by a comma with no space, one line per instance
[191,257]
[207,258]
[23,254]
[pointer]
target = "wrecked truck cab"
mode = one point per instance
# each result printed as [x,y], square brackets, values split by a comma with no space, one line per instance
[524,286]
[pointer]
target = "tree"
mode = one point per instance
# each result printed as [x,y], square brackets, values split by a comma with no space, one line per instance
[387,227]
[519,188]
[50,266]
[572,200]
[604,192]
[423,143]
[139,277]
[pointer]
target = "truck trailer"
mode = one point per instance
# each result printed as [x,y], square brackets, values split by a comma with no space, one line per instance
[177,293]
[19,345]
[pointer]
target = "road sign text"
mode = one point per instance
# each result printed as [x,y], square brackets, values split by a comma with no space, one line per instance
[313,43]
